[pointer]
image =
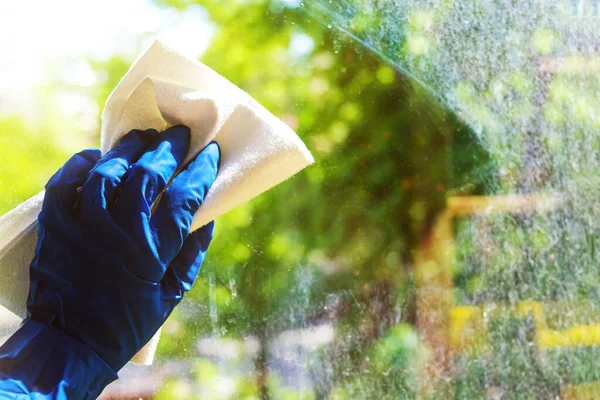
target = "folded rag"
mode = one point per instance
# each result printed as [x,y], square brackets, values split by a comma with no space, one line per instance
[163,89]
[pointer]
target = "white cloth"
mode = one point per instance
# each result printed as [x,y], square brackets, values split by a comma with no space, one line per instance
[162,89]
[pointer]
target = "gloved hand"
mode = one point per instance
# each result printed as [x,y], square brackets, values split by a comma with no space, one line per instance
[112,261]
[107,270]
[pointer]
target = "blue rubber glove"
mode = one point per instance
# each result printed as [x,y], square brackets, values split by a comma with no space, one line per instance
[108,271]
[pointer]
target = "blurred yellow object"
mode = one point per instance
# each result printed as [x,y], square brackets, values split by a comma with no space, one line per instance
[533,308]
[586,391]
[583,335]
[466,325]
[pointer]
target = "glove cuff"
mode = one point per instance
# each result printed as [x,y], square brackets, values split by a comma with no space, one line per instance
[40,359]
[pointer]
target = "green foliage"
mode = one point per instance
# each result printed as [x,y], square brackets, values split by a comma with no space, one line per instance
[28,157]
[22,154]
[334,245]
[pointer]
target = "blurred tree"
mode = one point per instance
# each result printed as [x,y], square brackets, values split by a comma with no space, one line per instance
[334,244]
[24,153]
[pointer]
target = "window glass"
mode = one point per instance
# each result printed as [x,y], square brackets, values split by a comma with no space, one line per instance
[444,243]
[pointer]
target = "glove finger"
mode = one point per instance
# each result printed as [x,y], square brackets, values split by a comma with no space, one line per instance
[184,268]
[173,216]
[99,190]
[146,178]
[61,189]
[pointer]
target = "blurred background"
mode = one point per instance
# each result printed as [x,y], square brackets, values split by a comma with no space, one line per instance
[443,245]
